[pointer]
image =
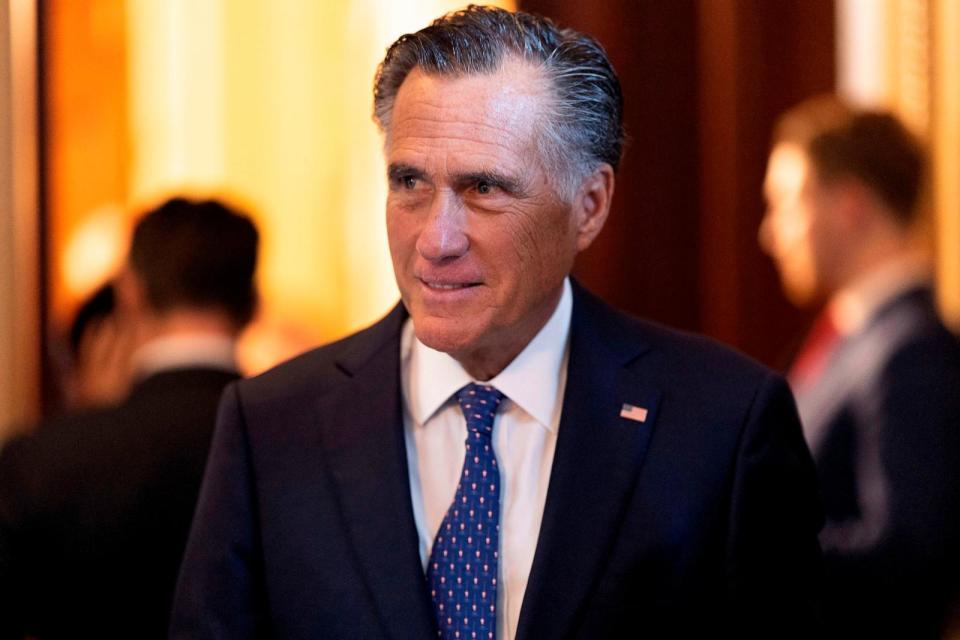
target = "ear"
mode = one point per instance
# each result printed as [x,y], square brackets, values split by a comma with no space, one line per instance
[852,204]
[592,205]
[130,292]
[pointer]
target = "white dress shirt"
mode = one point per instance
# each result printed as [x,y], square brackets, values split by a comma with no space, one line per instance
[524,441]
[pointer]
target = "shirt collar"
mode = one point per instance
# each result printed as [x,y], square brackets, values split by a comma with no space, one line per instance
[533,380]
[185,350]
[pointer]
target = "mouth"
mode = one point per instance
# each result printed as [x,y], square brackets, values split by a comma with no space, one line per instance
[437,285]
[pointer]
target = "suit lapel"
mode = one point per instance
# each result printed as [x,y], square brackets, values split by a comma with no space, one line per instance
[366,455]
[594,470]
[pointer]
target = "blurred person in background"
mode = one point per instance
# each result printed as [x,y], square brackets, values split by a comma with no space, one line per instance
[98,373]
[877,380]
[95,506]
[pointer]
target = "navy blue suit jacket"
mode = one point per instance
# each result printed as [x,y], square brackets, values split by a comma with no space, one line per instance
[884,423]
[95,508]
[702,518]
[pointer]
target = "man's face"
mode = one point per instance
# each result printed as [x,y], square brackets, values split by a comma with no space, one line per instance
[479,239]
[801,229]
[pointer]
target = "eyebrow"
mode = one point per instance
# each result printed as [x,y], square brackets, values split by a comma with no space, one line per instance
[499,180]
[460,180]
[399,170]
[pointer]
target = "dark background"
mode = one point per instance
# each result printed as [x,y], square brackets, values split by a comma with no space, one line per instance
[703,81]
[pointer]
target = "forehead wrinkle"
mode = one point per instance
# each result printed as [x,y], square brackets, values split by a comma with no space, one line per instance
[469,124]
[451,144]
[498,129]
[478,134]
[465,152]
[512,96]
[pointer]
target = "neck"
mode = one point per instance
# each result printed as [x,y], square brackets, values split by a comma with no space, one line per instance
[486,366]
[152,326]
[875,255]
[486,362]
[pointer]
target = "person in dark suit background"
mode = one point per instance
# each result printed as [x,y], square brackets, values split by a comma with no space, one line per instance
[503,455]
[878,381]
[95,505]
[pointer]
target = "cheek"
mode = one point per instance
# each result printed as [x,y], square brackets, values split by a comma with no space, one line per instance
[826,249]
[821,234]
[546,239]
[790,232]
[527,244]
[401,234]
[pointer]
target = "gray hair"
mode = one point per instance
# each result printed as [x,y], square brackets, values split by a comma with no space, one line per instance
[583,121]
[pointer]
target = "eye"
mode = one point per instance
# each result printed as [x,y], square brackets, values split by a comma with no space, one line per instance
[408,182]
[484,187]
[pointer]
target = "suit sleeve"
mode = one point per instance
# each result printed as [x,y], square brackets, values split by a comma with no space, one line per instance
[220,592]
[773,557]
[910,564]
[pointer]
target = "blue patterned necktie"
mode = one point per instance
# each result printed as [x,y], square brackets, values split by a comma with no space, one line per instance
[462,572]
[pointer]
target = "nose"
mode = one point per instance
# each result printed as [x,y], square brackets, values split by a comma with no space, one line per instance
[444,234]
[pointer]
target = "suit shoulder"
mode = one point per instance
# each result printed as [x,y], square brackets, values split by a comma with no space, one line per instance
[670,351]
[935,339]
[689,350]
[54,451]
[65,432]
[714,378]
[320,368]
[929,358]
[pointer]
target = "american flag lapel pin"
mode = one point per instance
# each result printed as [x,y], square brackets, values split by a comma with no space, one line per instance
[631,412]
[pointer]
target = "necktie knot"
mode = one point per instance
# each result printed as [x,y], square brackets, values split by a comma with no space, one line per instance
[479,403]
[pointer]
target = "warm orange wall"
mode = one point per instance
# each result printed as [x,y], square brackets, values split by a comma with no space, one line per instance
[20,341]
[265,103]
[86,144]
[946,150]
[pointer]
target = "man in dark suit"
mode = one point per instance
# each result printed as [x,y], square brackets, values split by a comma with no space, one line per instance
[878,383]
[95,506]
[503,455]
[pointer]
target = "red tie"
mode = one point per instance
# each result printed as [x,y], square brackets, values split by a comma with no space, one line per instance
[812,358]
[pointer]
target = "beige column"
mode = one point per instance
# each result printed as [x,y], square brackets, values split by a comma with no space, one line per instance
[904,55]
[19,240]
[946,153]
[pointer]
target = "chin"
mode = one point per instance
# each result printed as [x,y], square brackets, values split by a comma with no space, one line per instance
[447,335]
[802,296]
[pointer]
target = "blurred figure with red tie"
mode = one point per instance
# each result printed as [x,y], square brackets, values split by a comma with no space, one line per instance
[877,381]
